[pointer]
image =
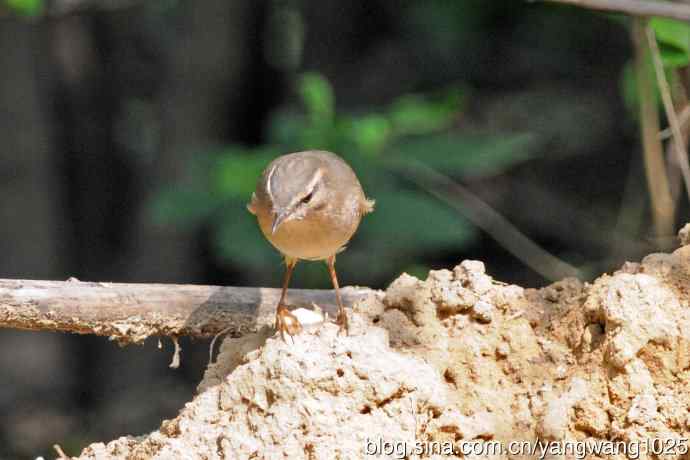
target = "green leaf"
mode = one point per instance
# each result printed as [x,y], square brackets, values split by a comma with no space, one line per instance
[26,7]
[318,98]
[467,155]
[370,133]
[672,57]
[416,114]
[674,41]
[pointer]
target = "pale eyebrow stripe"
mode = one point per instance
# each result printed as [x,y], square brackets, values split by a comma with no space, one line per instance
[317,176]
[310,186]
[269,187]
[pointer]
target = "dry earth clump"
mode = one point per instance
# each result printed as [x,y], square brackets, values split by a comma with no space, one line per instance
[456,357]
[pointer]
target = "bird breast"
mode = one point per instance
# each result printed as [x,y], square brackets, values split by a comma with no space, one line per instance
[320,234]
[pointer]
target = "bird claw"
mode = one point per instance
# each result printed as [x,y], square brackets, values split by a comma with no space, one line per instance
[287,322]
[343,323]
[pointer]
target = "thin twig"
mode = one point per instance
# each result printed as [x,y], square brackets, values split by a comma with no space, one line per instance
[680,102]
[488,219]
[678,141]
[683,118]
[640,8]
[663,209]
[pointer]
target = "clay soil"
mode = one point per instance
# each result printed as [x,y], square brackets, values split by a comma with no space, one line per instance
[456,358]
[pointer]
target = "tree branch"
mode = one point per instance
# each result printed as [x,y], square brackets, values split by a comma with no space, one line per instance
[663,207]
[641,8]
[129,313]
[678,141]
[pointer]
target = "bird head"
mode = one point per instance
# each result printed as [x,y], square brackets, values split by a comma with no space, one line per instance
[295,188]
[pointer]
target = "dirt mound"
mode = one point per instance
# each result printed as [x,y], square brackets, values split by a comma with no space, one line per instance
[431,364]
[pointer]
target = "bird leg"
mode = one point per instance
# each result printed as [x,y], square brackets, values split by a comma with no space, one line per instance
[285,320]
[342,316]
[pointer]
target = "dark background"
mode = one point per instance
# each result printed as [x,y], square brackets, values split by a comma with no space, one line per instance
[106,105]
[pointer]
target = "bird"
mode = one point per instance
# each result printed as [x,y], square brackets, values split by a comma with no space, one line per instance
[308,206]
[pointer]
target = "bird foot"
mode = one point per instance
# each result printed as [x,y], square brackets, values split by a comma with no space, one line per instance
[286,322]
[342,321]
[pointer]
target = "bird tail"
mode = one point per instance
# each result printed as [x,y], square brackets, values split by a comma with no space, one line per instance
[367,206]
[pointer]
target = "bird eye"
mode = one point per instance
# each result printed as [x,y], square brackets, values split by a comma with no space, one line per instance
[307,198]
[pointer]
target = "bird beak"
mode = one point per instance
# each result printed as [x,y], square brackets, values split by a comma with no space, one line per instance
[278,219]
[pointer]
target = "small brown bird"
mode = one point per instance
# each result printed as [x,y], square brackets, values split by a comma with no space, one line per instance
[308,204]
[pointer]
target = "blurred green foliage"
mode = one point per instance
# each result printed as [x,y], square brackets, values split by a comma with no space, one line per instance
[25,7]
[408,225]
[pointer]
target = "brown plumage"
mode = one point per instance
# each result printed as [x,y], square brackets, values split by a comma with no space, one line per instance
[308,205]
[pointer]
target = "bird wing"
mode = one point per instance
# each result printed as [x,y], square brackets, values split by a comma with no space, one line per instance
[366,206]
[251,206]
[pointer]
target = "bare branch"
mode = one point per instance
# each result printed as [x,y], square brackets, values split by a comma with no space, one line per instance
[678,138]
[663,207]
[683,118]
[130,313]
[640,8]
[488,219]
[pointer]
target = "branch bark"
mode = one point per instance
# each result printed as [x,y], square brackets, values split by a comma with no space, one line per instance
[640,8]
[129,313]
